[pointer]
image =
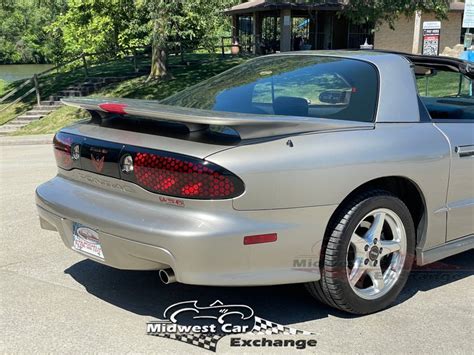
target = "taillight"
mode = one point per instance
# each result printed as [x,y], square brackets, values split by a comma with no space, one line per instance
[182,176]
[157,171]
[62,150]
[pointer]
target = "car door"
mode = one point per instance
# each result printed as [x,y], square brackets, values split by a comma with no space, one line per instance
[460,199]
[448,98]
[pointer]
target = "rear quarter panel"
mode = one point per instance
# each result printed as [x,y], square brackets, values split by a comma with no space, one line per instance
[322,169]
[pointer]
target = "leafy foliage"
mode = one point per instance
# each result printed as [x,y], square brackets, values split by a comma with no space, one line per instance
[23,38]
[38,31]
[188,23]
[379,11]
[101,26]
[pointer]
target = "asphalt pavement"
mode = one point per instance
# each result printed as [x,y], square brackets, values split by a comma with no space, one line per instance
[55,301]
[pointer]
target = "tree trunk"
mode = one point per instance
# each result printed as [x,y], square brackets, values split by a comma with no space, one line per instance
[159,64]
[159,59]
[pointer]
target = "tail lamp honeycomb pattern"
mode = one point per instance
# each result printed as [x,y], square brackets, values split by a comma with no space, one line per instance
[181,178]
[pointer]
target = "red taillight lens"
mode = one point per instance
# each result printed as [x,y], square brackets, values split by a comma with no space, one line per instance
[157,171]
[62,150]
[185,177]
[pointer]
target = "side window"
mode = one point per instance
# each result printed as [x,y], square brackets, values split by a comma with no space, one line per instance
[447,95]
[444,84]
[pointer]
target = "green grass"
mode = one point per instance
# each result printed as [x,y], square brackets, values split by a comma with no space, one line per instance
[183,77]
[3,86]
[443,84]
[138,88]
[62,117]
[13,111]
[54,82]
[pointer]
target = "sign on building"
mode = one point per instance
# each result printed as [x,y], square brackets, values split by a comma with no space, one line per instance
[431,37]
[468,20]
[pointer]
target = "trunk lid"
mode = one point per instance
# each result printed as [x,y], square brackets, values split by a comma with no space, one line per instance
[191,147]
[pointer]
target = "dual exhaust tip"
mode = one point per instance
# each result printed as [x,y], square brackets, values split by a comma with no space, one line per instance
[167,276]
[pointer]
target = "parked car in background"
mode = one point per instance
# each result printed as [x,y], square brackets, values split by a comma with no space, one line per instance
[333,169]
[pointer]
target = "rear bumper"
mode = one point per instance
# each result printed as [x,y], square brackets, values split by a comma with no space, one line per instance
[202,246]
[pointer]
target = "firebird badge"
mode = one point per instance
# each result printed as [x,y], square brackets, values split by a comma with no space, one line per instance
[98,162]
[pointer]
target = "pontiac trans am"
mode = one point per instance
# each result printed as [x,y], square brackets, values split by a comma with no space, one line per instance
[339,170]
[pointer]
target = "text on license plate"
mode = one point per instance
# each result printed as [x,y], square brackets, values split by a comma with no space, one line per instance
[86,240]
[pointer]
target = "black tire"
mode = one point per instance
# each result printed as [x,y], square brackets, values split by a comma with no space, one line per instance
[333,288]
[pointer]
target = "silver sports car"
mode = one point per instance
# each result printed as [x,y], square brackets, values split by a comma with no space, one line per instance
[334,169]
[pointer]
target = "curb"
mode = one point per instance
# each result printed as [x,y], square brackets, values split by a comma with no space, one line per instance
[27,140]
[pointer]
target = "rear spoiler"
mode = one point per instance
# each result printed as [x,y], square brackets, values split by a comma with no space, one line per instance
[248,126]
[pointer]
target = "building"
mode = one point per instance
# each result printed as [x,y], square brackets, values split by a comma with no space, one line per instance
[266,26]
[407,36]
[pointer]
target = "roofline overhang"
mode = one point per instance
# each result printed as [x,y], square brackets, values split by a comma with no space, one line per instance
[456,6]
[285,6]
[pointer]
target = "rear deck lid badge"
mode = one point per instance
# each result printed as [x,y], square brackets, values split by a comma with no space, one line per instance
[98,158]
[98,162]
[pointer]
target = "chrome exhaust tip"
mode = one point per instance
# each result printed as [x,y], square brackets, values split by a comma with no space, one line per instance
[167,276]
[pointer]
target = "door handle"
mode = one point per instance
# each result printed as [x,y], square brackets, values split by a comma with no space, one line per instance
[465,150]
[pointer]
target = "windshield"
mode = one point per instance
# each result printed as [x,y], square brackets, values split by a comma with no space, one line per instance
[298,85]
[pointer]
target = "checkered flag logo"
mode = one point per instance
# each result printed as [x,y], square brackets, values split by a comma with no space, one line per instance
[209,341]
[205,341]
[170,328]
[265,327]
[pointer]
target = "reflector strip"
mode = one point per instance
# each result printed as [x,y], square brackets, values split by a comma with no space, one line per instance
[262,238]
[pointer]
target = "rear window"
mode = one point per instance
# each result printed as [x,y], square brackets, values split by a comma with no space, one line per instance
[298,85]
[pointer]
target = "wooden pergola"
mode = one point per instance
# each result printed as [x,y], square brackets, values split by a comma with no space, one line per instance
[262,26]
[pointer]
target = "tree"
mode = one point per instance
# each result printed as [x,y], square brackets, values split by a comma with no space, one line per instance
[189,24]
[162,15]
[101,26]
[23,38]
[388,11]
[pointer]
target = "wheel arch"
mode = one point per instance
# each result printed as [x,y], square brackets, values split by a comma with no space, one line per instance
[402,187]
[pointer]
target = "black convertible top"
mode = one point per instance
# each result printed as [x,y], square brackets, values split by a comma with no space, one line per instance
[439,62]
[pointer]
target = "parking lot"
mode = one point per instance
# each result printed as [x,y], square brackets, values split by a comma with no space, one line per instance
[53,300]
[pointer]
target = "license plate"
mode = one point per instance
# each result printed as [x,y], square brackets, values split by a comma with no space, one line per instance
[86,240]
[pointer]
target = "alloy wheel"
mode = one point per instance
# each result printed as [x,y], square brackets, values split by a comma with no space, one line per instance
[376,254]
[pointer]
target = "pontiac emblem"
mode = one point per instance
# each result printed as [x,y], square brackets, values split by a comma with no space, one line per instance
[98,162]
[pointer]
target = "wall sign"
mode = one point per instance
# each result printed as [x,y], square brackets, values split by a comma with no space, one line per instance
[468,20]
[431,37]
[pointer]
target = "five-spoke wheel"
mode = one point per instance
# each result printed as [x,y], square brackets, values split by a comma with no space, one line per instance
[367,254]
[376,253]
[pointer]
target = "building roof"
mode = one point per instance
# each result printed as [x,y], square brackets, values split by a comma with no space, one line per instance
[247,5]
[265,5]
